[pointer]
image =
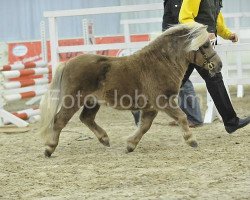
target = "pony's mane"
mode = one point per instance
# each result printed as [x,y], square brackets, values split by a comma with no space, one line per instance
[190,36]
[197,34]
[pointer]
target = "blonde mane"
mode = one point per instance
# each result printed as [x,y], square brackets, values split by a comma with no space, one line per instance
[196,37]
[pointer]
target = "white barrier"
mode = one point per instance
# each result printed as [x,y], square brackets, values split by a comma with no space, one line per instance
[33,78]
[21,89]
[19,66]
[25,83]
[24,114]
[25,72]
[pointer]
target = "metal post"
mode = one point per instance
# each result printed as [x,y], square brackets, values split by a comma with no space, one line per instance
[43,42]
[240,88]
[85,31]
[53,32]
[88,33]
[127,36]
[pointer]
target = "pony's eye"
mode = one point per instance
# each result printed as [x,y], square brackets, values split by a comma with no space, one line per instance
[206,45]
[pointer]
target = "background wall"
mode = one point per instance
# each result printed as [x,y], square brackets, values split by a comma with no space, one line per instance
[20,18]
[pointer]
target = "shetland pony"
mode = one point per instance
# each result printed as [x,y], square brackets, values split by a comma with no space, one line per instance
[148,80]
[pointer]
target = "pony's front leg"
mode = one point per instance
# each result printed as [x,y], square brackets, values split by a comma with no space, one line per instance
[174,111]
[147,117]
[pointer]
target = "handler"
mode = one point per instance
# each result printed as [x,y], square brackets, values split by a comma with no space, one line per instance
[208,12]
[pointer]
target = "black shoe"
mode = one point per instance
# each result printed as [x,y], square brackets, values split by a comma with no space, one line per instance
[241,123]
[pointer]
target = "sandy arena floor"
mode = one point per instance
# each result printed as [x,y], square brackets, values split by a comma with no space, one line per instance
[162,167]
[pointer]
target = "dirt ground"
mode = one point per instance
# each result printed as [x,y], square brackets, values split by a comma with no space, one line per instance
[162,166]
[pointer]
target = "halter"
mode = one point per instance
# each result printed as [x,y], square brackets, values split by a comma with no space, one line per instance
[207,63]
[210,65]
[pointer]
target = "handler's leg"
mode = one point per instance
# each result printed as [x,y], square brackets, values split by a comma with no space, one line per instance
[189,104]
[147,117]
[188,73]
[218,92]
[136,115]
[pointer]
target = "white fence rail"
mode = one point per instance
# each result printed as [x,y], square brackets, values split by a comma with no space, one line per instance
[53,31]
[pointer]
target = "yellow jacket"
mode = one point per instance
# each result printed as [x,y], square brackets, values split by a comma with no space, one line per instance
[189,10]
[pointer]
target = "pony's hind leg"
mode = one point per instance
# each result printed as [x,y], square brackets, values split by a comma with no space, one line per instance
[174,111]
[147,117]
[60,121]
[87,116]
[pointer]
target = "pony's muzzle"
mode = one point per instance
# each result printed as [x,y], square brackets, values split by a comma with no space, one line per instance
[214,67]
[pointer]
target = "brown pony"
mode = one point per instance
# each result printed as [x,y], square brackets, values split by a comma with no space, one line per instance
[148,80]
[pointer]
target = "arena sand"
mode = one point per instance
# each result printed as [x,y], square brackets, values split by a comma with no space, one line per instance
[162,167]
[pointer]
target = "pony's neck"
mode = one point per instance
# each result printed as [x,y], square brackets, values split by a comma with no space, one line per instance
[175,64]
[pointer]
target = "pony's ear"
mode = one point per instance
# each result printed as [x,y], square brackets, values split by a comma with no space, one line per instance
[199,38]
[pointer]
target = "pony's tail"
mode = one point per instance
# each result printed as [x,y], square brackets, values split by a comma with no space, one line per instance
[51,103]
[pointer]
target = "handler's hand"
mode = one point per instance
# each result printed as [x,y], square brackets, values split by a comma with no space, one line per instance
[211,36]
[234,37]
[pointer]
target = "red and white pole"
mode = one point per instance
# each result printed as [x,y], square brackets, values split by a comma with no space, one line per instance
[19,66]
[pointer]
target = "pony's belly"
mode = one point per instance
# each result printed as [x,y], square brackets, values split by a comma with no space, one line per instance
[121,102]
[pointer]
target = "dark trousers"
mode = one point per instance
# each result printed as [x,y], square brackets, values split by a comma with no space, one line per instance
[189,103]
[217,90]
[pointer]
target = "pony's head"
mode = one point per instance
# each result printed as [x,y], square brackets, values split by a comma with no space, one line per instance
[191,41]
[200,50]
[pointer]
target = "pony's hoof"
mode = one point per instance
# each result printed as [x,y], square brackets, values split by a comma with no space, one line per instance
[49,150]
[193,143]
[130,148]
[47,153]
[105,141]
